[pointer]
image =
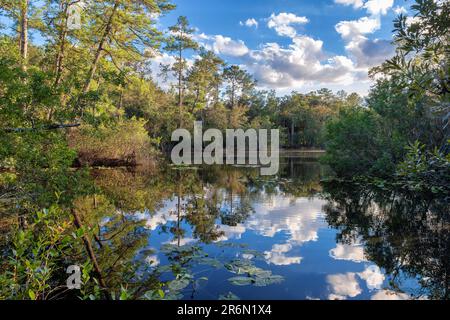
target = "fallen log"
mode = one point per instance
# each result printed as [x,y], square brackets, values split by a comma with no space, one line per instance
[46,127]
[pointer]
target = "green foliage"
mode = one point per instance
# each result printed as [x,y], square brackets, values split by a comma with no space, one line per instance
[403,225]
[353,145]
[254,275]
[229,296]
[37,255]
[204,81]
[409,103]
[424,171]
[239,85]
[125,139]
[178,42]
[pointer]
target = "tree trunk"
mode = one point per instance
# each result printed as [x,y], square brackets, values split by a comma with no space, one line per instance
[90,251]
[292,133]
[180,89]
[233,88]
[99,50]
[62,45]
[24,33]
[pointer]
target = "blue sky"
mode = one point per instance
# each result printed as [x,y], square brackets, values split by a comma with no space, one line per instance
[292,45]
[299,45]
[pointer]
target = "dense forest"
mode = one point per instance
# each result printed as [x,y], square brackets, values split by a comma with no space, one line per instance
[86,97]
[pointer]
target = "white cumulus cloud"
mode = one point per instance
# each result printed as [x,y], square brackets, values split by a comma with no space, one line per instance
[277,255]
[343,286]
[390,295]
[377,7]
[355,3]
[400,10]
[282,23]
[229,47]
[302,62]
[373,7]
[347,252]
[373,276]
[351,29]
[366,52]
[251,22]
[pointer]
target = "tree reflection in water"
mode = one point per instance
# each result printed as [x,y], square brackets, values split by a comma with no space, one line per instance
[406,234]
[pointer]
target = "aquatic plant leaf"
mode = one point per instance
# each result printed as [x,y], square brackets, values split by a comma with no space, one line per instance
[168,248]
[241,281]
[178,284]
[266,281]
[163,269]
[210,262]
[230,245]
[173,296]
[147,252]
[245,266]
[172,249]
[229,296]
[260,273]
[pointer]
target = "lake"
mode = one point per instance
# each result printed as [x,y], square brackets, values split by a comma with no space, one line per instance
[225,232]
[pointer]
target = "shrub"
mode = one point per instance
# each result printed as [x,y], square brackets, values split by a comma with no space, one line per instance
[425,171]
[126,142]
[353,146]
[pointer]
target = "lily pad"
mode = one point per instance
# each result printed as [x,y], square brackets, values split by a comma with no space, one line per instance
[229,296]
[210,262]
[173,296]
[165,268]
[268,280]
[178,284]
[172,248]
[241,281]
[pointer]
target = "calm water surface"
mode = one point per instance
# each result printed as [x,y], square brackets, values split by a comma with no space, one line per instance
[227,232]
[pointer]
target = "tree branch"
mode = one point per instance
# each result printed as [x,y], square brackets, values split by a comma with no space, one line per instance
[47,127]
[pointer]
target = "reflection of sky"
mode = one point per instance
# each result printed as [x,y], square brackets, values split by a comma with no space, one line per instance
[299,219]
[295,241]
[348,252]
[343,286]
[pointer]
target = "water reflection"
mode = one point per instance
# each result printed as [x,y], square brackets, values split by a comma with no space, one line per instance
[405,234]
[202,233]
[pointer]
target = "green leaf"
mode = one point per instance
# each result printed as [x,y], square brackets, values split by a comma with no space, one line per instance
[32,294]
[241,281]
[229,296]
[266,281]
[178,284]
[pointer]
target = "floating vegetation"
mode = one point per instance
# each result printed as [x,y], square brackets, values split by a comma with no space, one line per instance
[184,256]
[230,245]
[210,262]
[267,280]
[180,283]
[229,296]
[241,281]
[243,266]
[169,248]
[262,280]
[164,268]
[253,275]
[173,296]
